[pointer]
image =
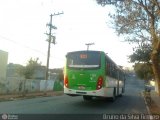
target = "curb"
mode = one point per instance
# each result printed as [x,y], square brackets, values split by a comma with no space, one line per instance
[30,95]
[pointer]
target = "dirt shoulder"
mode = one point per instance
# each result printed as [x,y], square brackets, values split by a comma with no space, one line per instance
[154,104]
[11,97]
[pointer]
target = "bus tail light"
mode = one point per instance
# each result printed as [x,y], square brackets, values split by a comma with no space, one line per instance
[66,81]
[99,83]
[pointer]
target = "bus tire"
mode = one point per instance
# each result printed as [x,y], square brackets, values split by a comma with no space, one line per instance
[113,98]
[87,98]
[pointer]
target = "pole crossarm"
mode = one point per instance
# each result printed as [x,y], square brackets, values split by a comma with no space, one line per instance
[89,44]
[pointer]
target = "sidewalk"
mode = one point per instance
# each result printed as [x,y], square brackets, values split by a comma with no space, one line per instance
[29,95]
[155,98]
[155,105]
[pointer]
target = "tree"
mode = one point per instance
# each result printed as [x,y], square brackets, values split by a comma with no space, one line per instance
[143,71]
[141,58]
[140,55]
[29,69]
[139,21]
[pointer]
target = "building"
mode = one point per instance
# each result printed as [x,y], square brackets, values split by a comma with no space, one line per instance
[39,73]
[3,65]
[12,70]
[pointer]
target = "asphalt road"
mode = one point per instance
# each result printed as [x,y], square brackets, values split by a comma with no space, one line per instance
[130,103]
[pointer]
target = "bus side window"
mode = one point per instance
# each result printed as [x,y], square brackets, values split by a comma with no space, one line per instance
[107,68]
[118,74]
[121,76]
[112,70]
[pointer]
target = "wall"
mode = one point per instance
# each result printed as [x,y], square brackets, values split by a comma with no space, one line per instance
[3,65]
[20,85]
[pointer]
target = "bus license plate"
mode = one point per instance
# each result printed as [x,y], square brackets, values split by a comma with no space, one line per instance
[81,87]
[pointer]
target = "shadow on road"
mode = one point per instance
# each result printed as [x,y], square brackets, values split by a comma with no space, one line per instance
[97,102]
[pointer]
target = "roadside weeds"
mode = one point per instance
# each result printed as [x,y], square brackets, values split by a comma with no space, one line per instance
[152,107]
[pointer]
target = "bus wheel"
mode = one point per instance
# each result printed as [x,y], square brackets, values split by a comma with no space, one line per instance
[121,94]
[113,98]
[87,98]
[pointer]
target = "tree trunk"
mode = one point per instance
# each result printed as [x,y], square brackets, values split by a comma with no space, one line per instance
[156,69]
[155,52]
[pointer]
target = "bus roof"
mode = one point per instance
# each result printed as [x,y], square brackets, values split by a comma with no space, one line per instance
[100,52]
[85,51]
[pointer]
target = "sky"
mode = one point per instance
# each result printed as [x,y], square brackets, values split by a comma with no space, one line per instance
[23,28]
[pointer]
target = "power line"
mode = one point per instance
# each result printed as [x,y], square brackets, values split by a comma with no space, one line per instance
[27,47]
[20,44]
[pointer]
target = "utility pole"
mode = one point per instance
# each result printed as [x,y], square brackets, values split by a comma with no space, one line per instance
[50,40]
[88,44]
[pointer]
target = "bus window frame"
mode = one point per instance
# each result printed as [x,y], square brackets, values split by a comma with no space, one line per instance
[110,68]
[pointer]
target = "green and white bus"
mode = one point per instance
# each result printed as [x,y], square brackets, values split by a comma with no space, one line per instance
[92,74]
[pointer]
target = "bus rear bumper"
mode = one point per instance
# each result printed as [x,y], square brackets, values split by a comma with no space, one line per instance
[103,92]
